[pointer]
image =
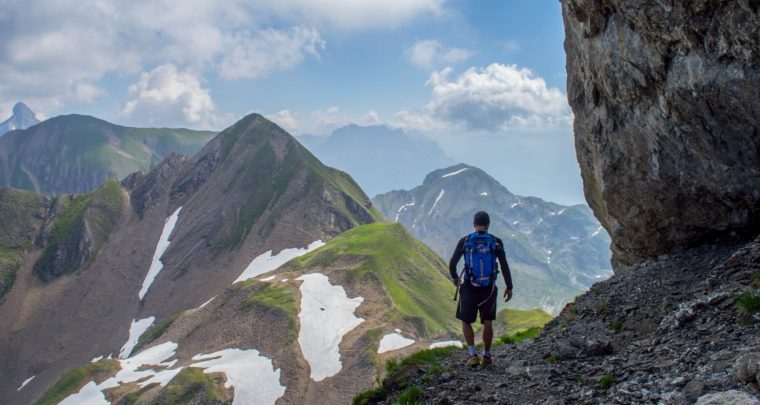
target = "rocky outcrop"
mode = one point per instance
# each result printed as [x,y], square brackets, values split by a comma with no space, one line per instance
[667,116]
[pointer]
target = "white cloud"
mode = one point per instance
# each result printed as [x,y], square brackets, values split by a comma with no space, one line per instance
[352,14]
[57,51]
[285,120]
[255,55]
[166,96]
[427,54]
[497,97]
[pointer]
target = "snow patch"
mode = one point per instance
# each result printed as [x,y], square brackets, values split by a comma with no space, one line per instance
[447,343]
[454,173]
[142,367]
[393,341]
[163,244]
[96,359]
[484,194]
[265,262]
[90,394]
[270,278]
[574,238]
[285,280]
[136,329]
[403,207]
[514,205]
[147,367]
[27,381]
[207,302]
[561,211]
[253,376]
[440,195]
[515,223]
[326,315]
[597,232]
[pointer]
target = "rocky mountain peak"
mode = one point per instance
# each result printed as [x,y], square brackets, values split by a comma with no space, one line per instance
[23,117]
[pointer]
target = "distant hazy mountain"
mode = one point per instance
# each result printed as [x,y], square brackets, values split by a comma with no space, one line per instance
[555,251]
[77,153]
[22,118]
[378,157]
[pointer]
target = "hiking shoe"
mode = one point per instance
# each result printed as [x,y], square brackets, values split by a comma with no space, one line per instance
[486,361]
[473,361]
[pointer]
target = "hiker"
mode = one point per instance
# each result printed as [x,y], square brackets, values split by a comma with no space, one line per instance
[477,283]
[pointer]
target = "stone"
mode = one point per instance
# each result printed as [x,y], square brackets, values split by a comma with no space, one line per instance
[731,397]
[747,369]
[667,116]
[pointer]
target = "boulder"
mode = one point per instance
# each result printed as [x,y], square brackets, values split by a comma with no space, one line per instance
[666,96]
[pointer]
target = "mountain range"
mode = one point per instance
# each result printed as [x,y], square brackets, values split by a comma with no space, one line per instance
[555,252]
[380,158]
[77,153]
[167,286]
[22,118]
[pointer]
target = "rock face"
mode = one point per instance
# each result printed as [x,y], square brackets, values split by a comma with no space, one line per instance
[665,96]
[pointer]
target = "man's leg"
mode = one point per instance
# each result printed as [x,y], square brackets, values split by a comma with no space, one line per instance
[469,335]
[487,335]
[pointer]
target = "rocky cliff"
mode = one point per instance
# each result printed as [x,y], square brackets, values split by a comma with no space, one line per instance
[665,96]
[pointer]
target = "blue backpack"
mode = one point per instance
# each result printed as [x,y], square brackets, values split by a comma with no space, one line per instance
[480,259]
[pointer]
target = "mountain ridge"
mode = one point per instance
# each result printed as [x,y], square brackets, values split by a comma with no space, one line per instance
[76,153]
[175,243]
[547,243]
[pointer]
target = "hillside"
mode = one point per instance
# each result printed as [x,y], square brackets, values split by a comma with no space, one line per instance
[367,152]
[555,252]
[333,316]
[98,268]
[77,153]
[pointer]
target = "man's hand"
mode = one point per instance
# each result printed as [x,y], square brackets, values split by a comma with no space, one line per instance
[507,295]
[456,282]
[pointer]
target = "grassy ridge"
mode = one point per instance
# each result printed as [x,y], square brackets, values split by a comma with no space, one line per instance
[411,274]
[94,148]
[99,212]
[21,214]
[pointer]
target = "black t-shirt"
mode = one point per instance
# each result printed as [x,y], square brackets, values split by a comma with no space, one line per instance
[500,255]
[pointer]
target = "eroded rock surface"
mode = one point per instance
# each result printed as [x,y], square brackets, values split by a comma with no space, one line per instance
[666,96]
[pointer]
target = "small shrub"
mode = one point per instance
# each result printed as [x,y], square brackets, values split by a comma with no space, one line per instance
[391,365]
[374,395]
[410,396]
[747,304]
[602,306]
[606,382]
[552,359]
[617,326]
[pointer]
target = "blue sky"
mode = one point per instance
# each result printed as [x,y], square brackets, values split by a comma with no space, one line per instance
[486,79]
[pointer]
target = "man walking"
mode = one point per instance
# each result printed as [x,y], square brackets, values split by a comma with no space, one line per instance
[477,283]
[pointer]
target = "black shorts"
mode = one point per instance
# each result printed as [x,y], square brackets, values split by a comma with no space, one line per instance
[477,299]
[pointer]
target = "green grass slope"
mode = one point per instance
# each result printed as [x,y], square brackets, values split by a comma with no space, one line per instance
[518,320]
[388,257]
[21,215]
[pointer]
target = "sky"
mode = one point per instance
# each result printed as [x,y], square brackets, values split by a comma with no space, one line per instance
[485,79]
